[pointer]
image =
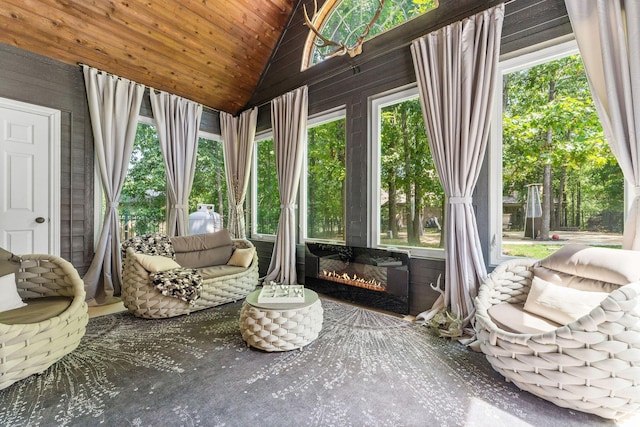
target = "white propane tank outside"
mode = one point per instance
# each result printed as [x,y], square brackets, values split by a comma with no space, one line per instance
[204,220]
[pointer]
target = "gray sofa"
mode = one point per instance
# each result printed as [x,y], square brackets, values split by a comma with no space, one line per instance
[209,269]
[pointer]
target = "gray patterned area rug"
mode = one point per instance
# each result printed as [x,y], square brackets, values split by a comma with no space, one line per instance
[365,369]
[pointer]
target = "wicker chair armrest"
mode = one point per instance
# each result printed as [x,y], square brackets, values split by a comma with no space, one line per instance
[618,312]
[136,267]
[509,282]
[43,275]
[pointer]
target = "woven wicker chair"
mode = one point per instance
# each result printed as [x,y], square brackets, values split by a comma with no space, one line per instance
[590,365]
[30,348]
[144,300]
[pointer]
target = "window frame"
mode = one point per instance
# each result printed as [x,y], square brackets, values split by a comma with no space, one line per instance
[376,104]
[314,121]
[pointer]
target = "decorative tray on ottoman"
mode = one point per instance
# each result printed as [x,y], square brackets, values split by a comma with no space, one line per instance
[274,293]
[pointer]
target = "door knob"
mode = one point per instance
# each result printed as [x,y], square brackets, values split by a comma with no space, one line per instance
[40,220]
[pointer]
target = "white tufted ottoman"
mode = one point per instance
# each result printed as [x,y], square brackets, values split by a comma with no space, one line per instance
[280,327]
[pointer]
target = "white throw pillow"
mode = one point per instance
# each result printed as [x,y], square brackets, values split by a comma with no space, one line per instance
[156,263]
[9,298]
[559,303]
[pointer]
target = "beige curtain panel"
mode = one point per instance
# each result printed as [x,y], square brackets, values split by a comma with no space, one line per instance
[289,121]
[456,71]
[608,39]
[238,134]
[114,105]
[178,121]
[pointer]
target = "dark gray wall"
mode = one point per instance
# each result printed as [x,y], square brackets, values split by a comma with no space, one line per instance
[42,81]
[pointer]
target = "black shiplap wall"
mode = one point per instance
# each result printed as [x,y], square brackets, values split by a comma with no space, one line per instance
[386,64]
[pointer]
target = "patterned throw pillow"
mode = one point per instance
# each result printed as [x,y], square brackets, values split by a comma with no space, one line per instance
[183,283]
[150,244]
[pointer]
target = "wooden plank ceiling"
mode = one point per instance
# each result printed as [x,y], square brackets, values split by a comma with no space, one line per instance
[210,51]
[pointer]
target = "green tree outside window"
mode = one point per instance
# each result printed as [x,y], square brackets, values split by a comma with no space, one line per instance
[268,198]
[326,181]
[411,196]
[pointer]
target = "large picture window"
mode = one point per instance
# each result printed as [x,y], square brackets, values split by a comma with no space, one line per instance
[143,199]
[406,196]
[324,178]
[555,179]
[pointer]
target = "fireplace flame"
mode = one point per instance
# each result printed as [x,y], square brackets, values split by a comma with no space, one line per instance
[354,280]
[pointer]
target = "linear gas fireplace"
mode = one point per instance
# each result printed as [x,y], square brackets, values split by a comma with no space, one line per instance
[373,277]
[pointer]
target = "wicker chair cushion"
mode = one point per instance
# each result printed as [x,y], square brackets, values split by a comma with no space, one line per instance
[203,250]
[155,263]
[513,318]
[571,281]
[619,267]
[219,271]
[36,310]
[560,303]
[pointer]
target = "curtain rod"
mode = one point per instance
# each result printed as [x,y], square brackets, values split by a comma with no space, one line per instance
[145,86]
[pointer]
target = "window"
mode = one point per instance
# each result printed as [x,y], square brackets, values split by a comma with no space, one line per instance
[554,178]
[143,199]
[323,184]
[265,197]
[407,200]
[346,20]
[209,181]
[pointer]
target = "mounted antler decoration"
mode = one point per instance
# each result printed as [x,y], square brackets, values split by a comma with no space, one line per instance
[340,47]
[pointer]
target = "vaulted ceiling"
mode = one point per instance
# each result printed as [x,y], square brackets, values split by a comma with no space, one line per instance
[210,51]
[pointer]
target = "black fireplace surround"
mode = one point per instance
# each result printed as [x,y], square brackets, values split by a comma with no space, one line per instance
[372,277]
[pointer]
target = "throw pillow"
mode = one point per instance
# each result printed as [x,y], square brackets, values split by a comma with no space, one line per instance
[560,304]
[9,298]
[616,266]
[7,263]
[156,263]
[242,257]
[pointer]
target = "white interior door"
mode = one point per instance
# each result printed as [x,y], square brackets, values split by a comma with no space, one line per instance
[29,187]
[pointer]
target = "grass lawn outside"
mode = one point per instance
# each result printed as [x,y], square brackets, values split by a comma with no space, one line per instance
[515,244]
[529,251]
